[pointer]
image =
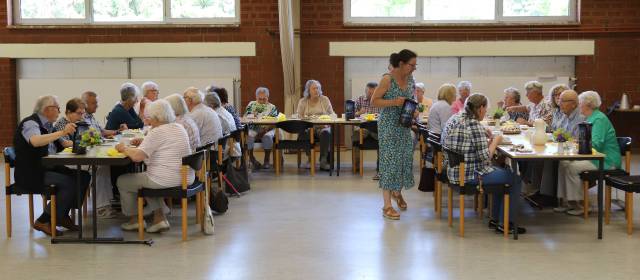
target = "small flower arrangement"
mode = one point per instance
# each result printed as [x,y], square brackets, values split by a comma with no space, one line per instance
[90,138]
[420,108]
[498,113]
[561,136]
[259,108]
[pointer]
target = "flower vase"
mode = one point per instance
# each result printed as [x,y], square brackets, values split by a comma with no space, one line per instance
[561,147]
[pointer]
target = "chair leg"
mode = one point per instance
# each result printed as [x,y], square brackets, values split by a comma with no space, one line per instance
[439,199]
[140,218]
[585,199]
[626,206]
[361,163]
[7,203]
[450,206]
[44,202]
[505,216]
[629,199]
[202,205]
[435,194]
[353,160]
[461,197]
[480,205]
[198,208]
[85,211]
[184,219]
[299,158]
[607,204]
[54,221]
[313,162]
[276,156]
[31,211]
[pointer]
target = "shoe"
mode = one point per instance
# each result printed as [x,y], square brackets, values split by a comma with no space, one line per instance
[159,227]
[399,200]
[324,166]
[576,212]
[493,224]
[266,166]
[306,165]
[67,223]
[390,213]
[376,177]
[256,165]
[106,212]
[45,228]
[500,229]
[561,209]
[128,226]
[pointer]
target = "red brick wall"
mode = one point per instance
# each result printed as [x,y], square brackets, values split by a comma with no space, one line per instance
[257,18]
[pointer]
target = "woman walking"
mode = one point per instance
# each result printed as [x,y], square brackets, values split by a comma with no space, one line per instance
[396,146]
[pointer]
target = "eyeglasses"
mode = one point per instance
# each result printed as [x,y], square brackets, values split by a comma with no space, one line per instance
[54,106]
[567,101]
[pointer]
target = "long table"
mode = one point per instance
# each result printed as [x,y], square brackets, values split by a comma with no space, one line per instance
[92,158]
[549,152]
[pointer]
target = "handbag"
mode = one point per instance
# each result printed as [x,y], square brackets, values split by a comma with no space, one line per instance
[208,220]
[236,179]
[427,179]
[219,202]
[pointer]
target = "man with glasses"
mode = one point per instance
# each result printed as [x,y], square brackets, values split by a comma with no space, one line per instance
[538,109]
[571,116]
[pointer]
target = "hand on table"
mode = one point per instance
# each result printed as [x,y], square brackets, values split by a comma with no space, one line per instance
[69,129]
[522,121]
[136,141]
[120,147]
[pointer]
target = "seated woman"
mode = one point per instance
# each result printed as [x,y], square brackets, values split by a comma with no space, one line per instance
[603,140]
[74,112]
[423,101]
[441,110]
[180,109]
[554,100]
[226,119]
[465,135]
[162,151]
[258,109]
[224,98]
[123,115]
[315,104]
[511,99]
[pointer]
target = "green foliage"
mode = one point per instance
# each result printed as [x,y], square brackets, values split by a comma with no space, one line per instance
[498,113]
[561,135]
[90,138]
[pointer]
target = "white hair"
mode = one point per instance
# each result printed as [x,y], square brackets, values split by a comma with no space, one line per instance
[212,100]
[149,85]
[160,110]
[465,85]
[45,101]
[128,91]
[262,89]
[420,86]
[177,104]
[307,86]
[591,99]
[531,85]
[194,94]
[86,94]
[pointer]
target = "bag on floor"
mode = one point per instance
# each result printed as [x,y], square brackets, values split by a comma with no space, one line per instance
[219,202]
[237,178]
[208,220]
[427,179]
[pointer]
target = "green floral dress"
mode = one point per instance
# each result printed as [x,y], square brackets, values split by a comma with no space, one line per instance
[260,110]
[396,145]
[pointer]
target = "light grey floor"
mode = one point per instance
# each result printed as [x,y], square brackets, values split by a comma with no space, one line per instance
[297,227]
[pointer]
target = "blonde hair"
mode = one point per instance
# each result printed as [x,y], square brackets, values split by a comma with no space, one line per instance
[447,92]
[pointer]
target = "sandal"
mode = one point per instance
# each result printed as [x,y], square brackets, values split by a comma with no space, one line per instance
[390,213]
[400,200]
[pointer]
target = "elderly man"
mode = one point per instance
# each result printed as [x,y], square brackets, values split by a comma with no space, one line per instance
[123,115]
[90,99]
[34,140]
[260,108]
[538,109]
[150,93]
[206,119]
[363,106]
[571,116]
[464,90]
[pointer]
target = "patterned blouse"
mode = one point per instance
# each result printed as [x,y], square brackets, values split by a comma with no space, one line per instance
[363,103]
[260,110]
[542,111]
[467,136]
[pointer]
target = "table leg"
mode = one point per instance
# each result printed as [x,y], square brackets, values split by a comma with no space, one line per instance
[337,150]
[94,201]
[79,201]
[600,183]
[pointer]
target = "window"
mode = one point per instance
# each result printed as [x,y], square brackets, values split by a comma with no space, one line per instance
[459,11]
[126,11]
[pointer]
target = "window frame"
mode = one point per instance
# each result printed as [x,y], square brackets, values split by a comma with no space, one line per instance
[89,20]
[499,19]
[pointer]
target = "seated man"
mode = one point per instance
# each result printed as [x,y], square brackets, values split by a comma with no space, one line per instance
[123,115]
[34,140]
[206,119]
[363,106]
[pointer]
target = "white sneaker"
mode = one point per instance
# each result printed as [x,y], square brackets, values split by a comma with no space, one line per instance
[576,212]
[159,227]
[132,226]
[561,209]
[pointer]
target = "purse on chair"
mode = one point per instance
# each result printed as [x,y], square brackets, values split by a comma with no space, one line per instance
[427,179]
[219,202]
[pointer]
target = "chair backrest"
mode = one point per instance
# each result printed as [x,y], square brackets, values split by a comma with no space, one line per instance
[237,134]
[9,156]
[434,140]
[370,126]
[206,147]
[194,160]
[222,142]
[453,158]
[625,145]
[294,126]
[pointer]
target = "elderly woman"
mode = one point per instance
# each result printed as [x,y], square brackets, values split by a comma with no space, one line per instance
[603,140]
[258,109]
[226,119]
[465,135]
[464,89]
[539,107]
[424,102]
[441,110]
[162,151]
[511,99]
[150,93]
[313,103]
[34,139]
[224,98]
[180,109]
[554,102]
[123,115]
[73,113]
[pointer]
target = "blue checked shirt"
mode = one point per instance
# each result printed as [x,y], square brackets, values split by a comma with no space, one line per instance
[467,136]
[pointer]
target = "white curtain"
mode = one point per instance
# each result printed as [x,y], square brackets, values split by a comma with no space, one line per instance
[286,47]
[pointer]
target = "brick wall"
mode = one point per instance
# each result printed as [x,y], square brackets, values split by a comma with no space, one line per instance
[257,18]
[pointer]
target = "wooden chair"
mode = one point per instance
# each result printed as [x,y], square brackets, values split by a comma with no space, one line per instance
[589,178]
[455,159]
[628,184]
[433,139]
[183,192]
[14,189]
[368,143]
[294,127]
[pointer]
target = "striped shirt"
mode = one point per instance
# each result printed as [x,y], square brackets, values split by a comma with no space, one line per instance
[365,103]
[164,147]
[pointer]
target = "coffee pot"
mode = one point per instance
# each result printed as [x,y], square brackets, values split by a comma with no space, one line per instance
[584,138]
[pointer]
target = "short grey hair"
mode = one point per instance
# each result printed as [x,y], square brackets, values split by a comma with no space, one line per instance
[531,85]
[149,85]
[420,86]
[45,101]
[128,91]
[514,91]
[160,110]
[194,94]
[372,85]
[212,100]
[85,95]
[177,104]
[210,88]
[262,89]
[465,85]
[591,99]
[307,86]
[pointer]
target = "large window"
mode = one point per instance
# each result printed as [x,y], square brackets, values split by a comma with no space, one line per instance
[126,11]
[458,11]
